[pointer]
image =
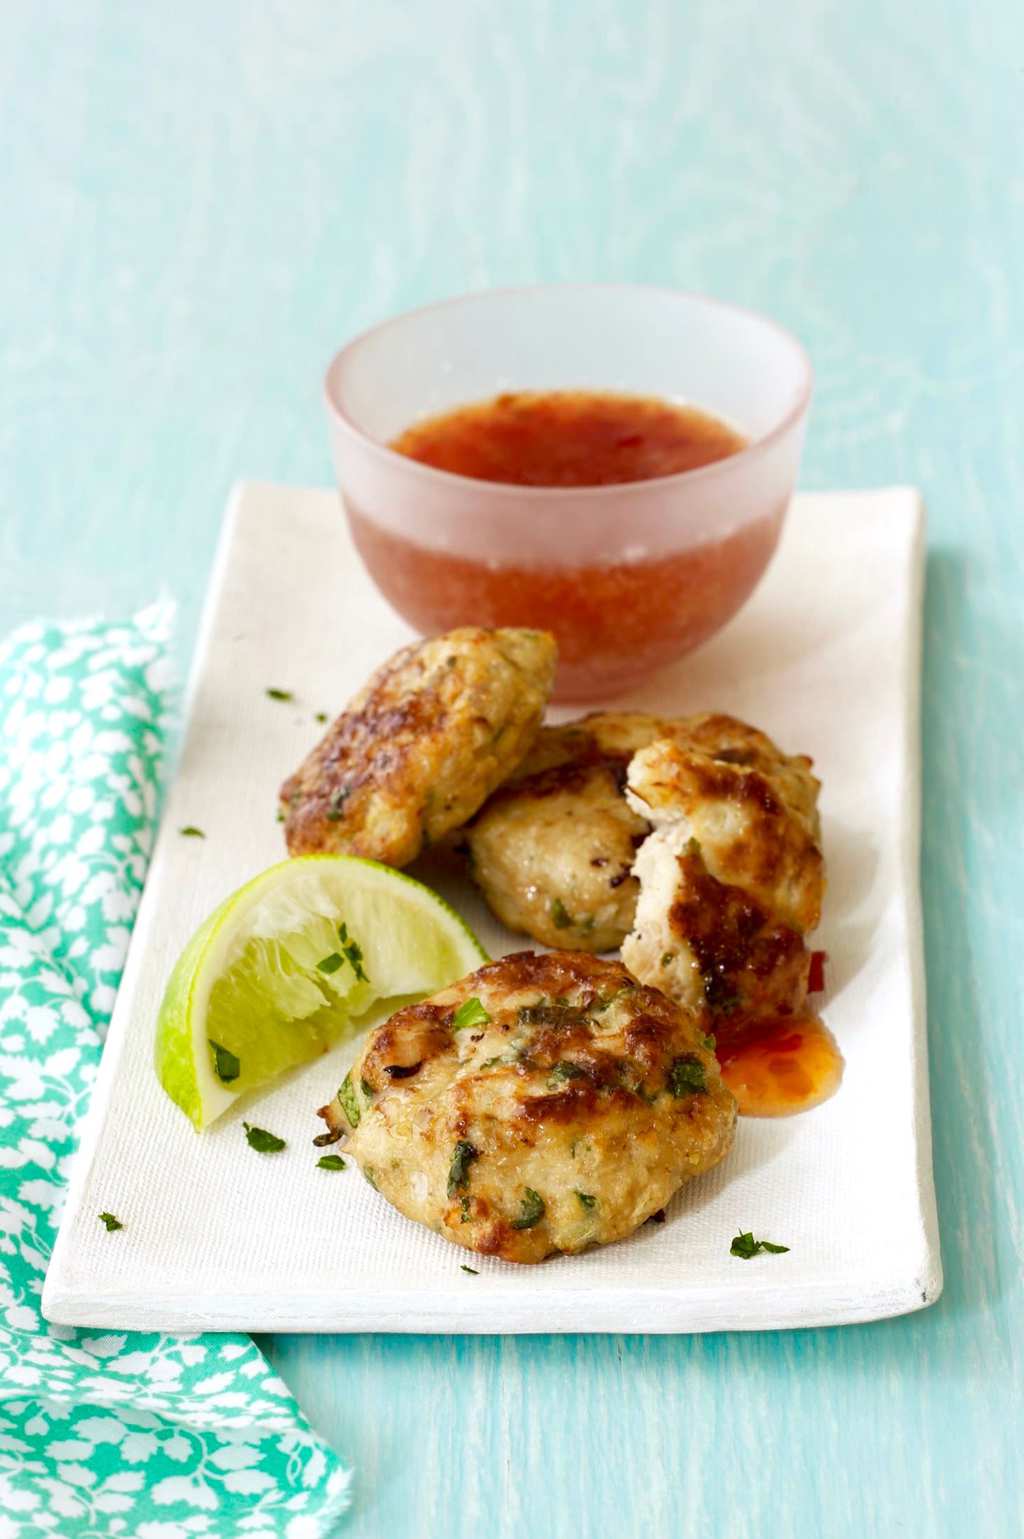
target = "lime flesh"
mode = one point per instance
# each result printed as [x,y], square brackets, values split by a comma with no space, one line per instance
[278,973]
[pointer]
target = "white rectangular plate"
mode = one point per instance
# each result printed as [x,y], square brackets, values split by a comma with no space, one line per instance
[826,659]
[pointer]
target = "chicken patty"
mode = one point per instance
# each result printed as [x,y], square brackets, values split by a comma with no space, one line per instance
[542,1104]
[553,849]
[423,745]
[732,877]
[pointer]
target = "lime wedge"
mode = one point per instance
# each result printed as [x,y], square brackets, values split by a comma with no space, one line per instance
[280,970]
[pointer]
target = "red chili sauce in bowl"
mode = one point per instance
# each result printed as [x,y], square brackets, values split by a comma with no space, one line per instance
[615,621]
[569,438]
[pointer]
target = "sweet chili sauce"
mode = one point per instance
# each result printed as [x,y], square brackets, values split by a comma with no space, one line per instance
[615,624]
[615,621]
[569,438]
[778,1065]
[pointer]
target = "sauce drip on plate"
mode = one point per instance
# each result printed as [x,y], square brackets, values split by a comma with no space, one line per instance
[778,1065]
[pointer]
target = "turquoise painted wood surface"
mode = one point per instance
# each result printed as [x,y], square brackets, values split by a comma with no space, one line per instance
[199,200]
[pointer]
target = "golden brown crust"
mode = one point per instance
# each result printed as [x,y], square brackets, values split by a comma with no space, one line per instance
[564,1119]
[747,962]
[757,824]
[416,753]
[732,877]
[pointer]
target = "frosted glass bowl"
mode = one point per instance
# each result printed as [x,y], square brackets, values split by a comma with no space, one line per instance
[629,577]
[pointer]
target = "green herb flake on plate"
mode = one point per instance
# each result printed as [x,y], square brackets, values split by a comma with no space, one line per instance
[262,1141]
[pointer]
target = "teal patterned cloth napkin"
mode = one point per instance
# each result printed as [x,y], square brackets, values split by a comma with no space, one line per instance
[151,1437]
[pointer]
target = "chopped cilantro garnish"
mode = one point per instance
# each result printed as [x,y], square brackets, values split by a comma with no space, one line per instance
[353,952]
[531,1210]
[667,957]
[745,1246]
[280,694]
[463,1156]
[470,1013]
[320,716]
[586,1200]
[349,1101]
[560,916]
[110,1223]
[709,1042]
[470,1269]
[687,1075]
[225,1065]
[464,1210]
[190,831]
[331,1162]
[330,964]
[370,1175]
[262,1141]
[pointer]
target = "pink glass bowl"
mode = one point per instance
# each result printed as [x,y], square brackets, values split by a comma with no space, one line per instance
[629,577]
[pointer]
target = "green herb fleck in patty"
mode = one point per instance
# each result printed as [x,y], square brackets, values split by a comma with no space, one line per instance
[463,1156]
[531,1210]
[687,1075]
[470,1013]
[349,1101]
[564,1070]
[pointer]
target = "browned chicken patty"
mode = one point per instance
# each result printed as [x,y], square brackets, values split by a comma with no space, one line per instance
[553,849]
[543,1104]
[423,745]
[732,877]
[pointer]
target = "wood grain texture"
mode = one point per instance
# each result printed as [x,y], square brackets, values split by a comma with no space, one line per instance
[200,200]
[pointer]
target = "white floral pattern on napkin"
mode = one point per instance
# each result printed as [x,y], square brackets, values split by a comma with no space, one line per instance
[105,1433]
